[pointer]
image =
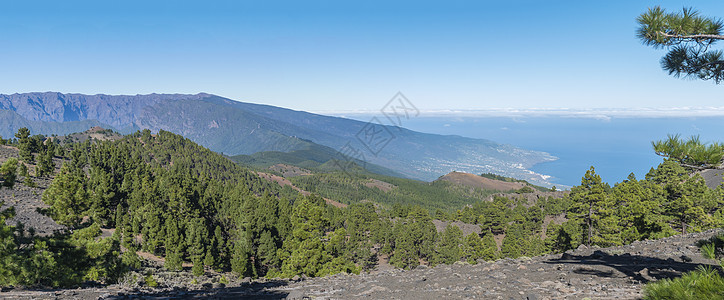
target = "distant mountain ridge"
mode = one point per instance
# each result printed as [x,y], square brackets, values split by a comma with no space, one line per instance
[234,128]
[10,121]
[120,111]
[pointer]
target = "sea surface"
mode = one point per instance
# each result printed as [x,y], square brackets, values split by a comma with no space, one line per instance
[615,146]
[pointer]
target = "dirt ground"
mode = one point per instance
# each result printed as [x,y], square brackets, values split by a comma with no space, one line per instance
[27,200]
[584,273]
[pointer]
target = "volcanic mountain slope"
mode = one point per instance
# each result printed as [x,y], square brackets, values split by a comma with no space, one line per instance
[508,187]
[595,273]
[584,273]
[616,272]
[11,121]
[96,133]
[311,156]
[473,180]
[233,128]
[27,200]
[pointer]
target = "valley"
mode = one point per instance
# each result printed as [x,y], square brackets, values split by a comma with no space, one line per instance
[237,128]
[174,218]
[361,150]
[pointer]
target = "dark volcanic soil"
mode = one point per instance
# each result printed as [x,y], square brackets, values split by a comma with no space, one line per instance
[27,200]
[473,180]
[606,273]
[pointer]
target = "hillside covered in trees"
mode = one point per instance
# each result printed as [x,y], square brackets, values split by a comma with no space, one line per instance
[163,195]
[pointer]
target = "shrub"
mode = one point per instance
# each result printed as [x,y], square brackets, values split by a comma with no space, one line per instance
[704,283]
[150,281]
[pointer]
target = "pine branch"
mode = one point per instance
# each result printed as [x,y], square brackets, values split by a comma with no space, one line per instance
[694,167]
[693,37]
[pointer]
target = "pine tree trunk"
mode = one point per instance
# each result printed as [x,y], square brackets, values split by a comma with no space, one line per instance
[590,229]
[683,227]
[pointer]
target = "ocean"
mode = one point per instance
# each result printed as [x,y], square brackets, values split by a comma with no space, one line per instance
[615,146]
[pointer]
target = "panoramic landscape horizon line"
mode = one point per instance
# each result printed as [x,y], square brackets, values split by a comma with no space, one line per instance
[603,113]
[596,113]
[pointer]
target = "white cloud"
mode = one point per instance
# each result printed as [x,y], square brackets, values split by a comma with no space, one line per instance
[604,114]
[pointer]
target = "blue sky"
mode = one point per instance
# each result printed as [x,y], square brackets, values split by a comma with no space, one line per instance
[339,55]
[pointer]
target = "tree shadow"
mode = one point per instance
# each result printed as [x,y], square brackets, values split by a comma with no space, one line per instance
[253,290]
[638,267]
[596,273]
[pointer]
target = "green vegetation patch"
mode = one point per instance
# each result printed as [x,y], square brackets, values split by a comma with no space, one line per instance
[705,283]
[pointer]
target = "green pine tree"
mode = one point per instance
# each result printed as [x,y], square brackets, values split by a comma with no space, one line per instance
[515,241]
[67,196]
[241,259]
[641,211]
[24,145]
[594,209]
[449,247]
[173,245]
[45,165]
[405,254]
[493,218]
[8,173]
[305,252]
